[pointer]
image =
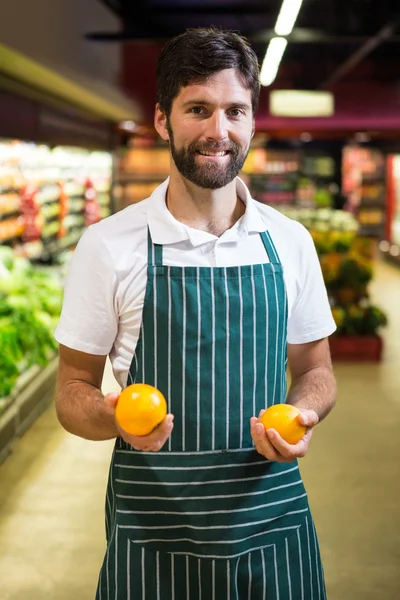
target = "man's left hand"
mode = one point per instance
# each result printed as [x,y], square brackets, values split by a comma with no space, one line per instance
[271,445]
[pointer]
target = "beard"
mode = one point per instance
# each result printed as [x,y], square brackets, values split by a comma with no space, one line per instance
[209,175]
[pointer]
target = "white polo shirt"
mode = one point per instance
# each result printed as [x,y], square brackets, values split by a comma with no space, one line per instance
[107,276]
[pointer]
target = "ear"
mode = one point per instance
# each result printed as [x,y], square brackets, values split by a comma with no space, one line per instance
[160,123]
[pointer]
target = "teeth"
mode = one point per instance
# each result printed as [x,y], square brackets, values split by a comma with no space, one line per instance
[213,153]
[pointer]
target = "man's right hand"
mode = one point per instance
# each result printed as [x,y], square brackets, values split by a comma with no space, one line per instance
[154,441]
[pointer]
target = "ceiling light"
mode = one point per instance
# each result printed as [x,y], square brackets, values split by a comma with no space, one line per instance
[301,103]
[128,125]
[273,57]
[287,16]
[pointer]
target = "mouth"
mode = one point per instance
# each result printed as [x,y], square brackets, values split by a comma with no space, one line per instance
[213,154]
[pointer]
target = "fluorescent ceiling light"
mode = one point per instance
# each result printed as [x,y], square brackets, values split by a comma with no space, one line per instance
[273,57]
[287,16]
[301,103]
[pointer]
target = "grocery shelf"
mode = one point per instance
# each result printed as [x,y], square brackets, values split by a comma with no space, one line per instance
[10,190]
[8,215]
[32,393]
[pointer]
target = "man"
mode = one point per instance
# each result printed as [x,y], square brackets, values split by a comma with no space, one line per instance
[205,294]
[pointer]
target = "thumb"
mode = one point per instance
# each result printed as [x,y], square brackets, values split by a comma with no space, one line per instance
[309,418]
[111,399]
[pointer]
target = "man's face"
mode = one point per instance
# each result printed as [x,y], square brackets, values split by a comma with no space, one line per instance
[210,128]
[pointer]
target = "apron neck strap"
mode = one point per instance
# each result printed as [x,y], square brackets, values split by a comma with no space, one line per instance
[270,248]
[154,252]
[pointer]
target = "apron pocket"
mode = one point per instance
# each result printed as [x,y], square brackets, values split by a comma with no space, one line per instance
[215,504]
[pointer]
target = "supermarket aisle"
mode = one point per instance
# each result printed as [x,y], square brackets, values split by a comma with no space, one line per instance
[352,472]
[51,512]
[52,490]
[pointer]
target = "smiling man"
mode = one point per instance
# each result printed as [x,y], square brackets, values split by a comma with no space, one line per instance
[210,163]
[207,295]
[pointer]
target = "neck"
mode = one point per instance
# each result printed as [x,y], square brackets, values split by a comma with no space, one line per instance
[214,211]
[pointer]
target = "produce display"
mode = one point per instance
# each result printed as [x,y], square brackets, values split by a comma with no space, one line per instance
[48,196]
[347,266]
[364,185]
[30,305]
[272,175]
[332,230]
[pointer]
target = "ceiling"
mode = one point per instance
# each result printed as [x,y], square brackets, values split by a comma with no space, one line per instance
[333,42]
[328,33]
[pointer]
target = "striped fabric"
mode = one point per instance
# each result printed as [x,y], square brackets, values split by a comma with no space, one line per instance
[288,570]
[217,504]
[208,516]
[219,333]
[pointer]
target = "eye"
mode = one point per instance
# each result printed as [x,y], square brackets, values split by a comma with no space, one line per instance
[236,112]
[197,110]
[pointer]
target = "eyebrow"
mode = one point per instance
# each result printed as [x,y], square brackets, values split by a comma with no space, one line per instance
[208,103]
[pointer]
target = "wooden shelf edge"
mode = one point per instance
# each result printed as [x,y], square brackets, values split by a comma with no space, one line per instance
[32,399]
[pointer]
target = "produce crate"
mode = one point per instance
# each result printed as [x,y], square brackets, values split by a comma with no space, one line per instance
[356,348]
[32,393]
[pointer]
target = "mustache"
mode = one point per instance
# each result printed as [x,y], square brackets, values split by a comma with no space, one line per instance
[214,147]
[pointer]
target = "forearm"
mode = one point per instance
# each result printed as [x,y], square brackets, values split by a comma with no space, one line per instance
[315,390]
[81,410]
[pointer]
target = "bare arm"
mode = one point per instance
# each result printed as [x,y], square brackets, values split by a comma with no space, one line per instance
[313,391]
[84,411]
[80,404]
[313,383]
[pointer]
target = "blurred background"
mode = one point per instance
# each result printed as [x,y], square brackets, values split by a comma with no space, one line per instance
[77,143]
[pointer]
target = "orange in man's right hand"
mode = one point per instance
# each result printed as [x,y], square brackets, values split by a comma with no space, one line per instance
[140,408]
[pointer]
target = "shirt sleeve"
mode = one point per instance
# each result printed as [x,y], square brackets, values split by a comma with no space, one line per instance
[311,317]
[89,321]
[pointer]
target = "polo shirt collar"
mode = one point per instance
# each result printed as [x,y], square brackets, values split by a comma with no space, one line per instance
[165,229]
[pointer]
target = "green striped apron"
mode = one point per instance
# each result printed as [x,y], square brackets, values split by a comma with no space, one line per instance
[207,517]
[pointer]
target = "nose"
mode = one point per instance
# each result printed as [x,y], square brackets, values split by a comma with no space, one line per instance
[216,127]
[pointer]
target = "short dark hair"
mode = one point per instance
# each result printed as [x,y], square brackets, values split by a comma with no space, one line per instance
[193,56]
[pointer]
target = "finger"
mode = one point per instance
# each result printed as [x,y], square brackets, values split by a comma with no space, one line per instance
[308,418]
[262,411]
[147,447]
[150,449]
[163,430]
[289,451]
[261,442]
[111,399]
[280,446]
[155,440]
[159,443]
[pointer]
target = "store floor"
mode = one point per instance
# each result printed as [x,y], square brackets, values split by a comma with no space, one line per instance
[52,489]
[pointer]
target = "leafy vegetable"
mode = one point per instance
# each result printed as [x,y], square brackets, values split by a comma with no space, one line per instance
[30,305]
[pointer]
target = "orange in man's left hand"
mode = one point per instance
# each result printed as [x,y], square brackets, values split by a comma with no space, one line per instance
[284,419]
